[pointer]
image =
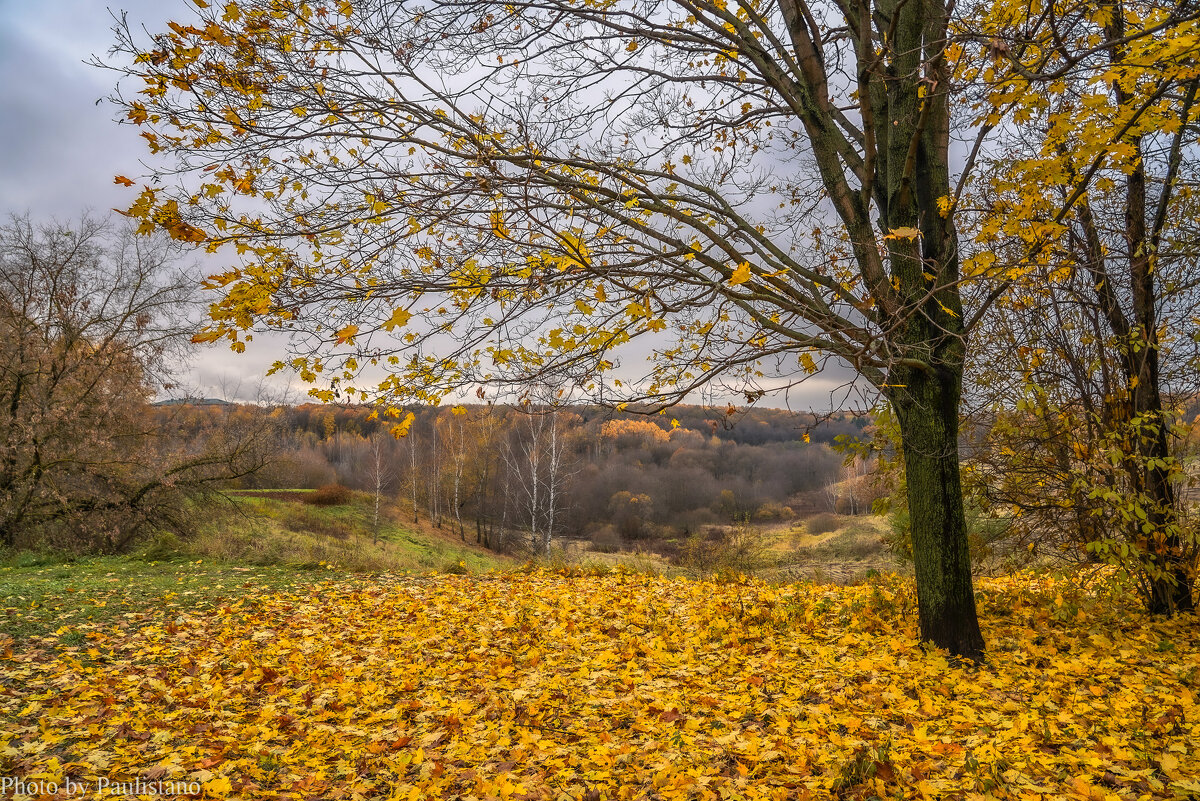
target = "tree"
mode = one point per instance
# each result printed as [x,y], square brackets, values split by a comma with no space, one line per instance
[536,462]
[91,319]
[516,190]
[1101,287]
[411,441]
[381,474]
[454,435]
[484,431]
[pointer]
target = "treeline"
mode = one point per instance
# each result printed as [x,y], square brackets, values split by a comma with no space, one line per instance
[95,323]
[509,477]
[742,426]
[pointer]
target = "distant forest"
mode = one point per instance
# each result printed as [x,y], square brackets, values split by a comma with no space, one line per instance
[508,477]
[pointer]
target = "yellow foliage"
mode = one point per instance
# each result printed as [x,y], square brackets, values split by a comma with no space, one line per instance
[400,430]
[906,232]
[399,318]
[633,431]
[620,686]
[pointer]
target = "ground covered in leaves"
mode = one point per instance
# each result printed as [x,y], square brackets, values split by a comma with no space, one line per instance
[619,686]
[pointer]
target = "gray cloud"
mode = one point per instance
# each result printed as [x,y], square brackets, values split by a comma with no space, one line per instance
[60,148]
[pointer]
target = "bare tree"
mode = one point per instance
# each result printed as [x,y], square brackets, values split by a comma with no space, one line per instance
[381,477]
[411,441]
[455,438]
[485,432]
[92,322]
[536,458]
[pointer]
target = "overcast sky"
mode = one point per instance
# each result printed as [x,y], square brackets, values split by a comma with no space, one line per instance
[60,148]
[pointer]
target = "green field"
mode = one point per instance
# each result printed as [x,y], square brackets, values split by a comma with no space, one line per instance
[248,543]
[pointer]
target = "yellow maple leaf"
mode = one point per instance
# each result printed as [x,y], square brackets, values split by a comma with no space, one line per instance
[399,318]
[400,430]
[219,787]
[905,232]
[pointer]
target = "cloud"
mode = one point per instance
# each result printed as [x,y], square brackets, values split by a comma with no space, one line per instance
[59,150]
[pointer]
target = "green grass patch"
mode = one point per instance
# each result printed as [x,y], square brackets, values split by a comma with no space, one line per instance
[53,603]
[249,543]
[262,529]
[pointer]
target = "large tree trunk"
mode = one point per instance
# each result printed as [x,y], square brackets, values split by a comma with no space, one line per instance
[927,409]
[924,382]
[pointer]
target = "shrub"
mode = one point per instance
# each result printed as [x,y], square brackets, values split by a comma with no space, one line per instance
[821,524]
[739,548]
[772,510]
[162,547]
[606,540]
[630,513]
[329,495]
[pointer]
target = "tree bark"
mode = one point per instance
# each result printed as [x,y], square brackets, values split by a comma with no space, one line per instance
[927,409]
[928,343]
[1170,579]
[1171,583]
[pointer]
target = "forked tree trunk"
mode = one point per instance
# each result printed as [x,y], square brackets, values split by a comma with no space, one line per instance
[910,91]
[927,409]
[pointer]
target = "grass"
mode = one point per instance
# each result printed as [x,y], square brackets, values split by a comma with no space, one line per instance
[48,603]
[576,555]
[256,543]
[847,554]
[266,529]
[858,540]
[271,542]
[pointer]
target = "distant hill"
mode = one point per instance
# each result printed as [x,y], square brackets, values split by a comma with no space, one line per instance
[193,402]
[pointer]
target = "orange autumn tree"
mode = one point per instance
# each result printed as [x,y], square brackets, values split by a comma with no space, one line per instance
[473,193]
[92,323]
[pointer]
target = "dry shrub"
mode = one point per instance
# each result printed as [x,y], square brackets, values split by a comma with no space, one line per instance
[740,548]
[772,510]
[821,524]
[606,540]
[329,495]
